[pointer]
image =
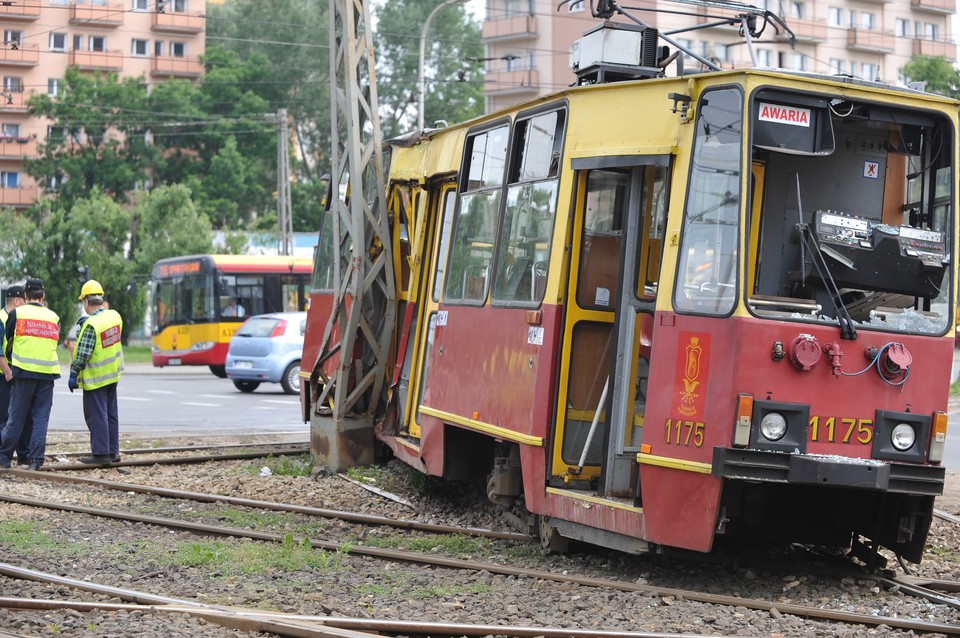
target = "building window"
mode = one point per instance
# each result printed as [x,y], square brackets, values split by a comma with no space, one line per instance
[798,62]
[836,65]
[13,84]
[903,28]
[139,48]
[798,10]
[764,57]
[58,41]
[12,38]
[141,5]
[9,131]
[55,182]
[835,17]
[178,49]
[180,6]
[53,87]
[158,48]
[931,31]
[77,42]
[868,20]
[868,71]
[97,43]
[9,179]
[576,7]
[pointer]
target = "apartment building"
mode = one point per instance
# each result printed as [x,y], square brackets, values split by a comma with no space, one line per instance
[155,39]
[529,42]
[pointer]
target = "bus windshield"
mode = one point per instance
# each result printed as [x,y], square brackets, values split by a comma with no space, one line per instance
[184,299]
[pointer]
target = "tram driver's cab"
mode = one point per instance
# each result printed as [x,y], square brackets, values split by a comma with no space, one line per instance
[850,212]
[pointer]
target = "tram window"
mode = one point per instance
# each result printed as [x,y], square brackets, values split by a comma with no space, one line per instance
[606,200]
[449,199]
[523,254]
[707,272]
[323,255]
[475,222]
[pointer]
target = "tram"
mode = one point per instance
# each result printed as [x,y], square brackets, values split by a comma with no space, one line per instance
[652,310]
[190,310]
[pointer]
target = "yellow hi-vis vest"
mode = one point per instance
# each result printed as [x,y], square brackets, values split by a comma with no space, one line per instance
[35,340]
[103,367]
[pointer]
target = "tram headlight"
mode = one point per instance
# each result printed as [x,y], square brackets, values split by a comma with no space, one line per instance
[773,426]
[903,437]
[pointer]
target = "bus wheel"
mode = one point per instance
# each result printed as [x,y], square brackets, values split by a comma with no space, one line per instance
[246,386]
[220,371]
[550,538]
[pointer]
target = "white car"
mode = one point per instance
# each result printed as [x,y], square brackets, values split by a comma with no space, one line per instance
[267,349]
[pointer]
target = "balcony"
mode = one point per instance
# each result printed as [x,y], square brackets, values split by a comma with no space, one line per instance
[805,30]
[18,148]
[934,48]
[97,15]
[520,82]
[871,40]
[178,22]
[943,7]
[13,102]
[514,28]
[165,66]
[96,60]
[22,10]
[19,196]
[23,55]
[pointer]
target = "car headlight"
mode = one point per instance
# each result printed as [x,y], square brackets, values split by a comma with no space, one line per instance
[202,345]
[903,437]
[773,426]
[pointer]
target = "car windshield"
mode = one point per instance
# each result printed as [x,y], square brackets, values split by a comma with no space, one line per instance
[258,327]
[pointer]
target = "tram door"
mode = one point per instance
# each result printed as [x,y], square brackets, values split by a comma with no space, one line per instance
[608,323]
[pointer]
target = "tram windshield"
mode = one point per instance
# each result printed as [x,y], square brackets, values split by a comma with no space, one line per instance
[850,213]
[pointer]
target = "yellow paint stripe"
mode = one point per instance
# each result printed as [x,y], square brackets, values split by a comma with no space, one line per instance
[496,430]
[677,464]
[303,374]
[593,499]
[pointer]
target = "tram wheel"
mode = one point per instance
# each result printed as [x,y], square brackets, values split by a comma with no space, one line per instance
[246,386]
[550,538]
[219,371]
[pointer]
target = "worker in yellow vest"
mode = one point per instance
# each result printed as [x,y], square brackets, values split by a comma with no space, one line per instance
[95,369]
[15,298]
[31,336]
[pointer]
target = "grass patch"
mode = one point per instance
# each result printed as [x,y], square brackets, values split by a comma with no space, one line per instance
[249,557]
[955,388]
[948,553]
[299,465]
[439,591]
[25,534]
[453,544]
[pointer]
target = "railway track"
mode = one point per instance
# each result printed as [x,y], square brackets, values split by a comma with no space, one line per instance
[214,453]
[435,561]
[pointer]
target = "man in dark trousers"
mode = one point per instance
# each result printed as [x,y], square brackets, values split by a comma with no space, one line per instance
[95,368]
[31,336]
[15,299]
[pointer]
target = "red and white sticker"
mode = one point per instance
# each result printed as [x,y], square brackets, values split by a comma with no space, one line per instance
[792,115]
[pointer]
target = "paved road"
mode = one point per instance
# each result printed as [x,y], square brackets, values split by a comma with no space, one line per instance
[178,402]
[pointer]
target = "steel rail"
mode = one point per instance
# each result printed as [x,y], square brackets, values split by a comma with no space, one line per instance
[352,517]
[343,622]
[305,445]
[493,568]
[173,460]
[947,516]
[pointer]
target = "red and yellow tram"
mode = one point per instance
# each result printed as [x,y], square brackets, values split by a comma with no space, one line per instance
[656,311]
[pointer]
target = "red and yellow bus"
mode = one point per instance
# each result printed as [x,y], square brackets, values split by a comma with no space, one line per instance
[199,301]
[659,311]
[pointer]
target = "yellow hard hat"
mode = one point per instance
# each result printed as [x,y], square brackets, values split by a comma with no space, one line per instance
[92,287]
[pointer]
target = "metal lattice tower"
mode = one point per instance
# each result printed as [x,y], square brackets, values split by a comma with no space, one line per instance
[358,331]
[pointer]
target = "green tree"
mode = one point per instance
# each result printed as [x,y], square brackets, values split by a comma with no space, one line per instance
[939,75]
[168,224]
[99,140]
[104,230]
[452,76]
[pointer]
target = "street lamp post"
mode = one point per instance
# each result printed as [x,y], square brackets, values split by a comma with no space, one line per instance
[423,42]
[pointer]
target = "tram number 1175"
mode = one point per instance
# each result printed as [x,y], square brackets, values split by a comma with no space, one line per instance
[680,432]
